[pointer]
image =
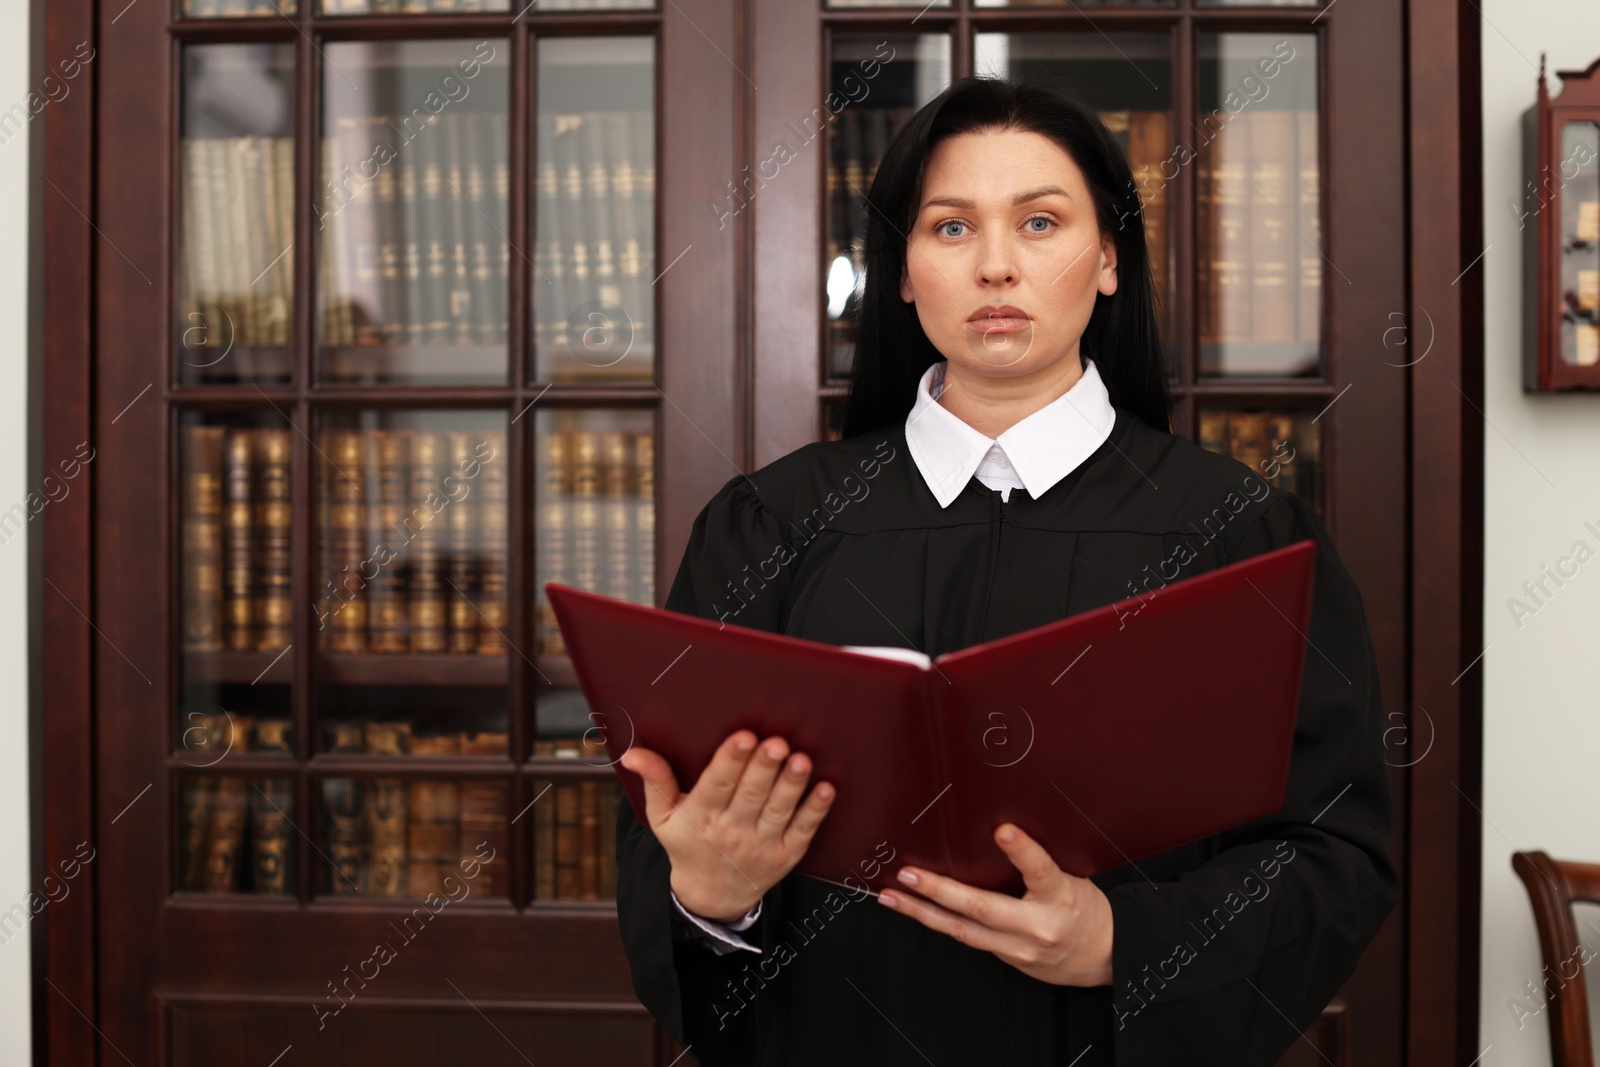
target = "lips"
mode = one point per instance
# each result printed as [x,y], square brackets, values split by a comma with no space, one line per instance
[999,318]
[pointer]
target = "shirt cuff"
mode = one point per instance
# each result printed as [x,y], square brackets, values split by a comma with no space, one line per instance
[720,937]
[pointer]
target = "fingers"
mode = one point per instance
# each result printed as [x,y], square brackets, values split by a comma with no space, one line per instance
[716,784]
[786,793]
[661,795]
[966,930]
[991,911]
[809,816]
[750,795]
[1039,871]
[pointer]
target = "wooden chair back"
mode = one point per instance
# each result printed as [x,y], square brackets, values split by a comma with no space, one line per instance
[1553,885]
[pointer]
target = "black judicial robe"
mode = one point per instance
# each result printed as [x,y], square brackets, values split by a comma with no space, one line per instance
[1223,950]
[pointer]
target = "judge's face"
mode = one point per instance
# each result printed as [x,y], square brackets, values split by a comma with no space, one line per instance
[1005,257]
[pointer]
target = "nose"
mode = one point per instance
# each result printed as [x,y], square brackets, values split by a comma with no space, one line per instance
[997,263]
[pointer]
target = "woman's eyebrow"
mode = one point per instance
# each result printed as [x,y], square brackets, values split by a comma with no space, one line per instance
[1020,198]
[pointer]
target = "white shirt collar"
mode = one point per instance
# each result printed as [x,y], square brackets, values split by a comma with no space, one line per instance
[1043,448]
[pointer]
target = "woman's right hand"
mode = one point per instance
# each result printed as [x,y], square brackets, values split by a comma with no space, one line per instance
[740,829]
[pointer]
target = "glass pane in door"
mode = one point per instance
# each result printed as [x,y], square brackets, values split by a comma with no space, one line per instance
[1258,178]
[594,263]
[413,212]
[411,599]
[236,604]
[235,305]
[880,80]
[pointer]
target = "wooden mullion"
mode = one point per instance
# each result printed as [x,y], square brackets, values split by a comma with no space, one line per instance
[1182,214]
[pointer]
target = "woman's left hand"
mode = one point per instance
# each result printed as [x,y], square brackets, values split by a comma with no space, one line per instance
[1058,932]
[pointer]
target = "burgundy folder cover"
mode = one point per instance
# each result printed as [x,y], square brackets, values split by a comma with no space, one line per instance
[1108,736]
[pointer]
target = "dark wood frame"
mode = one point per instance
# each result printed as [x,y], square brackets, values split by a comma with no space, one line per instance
[80,381]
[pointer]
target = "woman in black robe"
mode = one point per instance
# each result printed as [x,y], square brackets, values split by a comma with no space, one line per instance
[1018,301]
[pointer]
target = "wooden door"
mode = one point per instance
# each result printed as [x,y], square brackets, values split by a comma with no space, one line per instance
[1268,145]
[394,328]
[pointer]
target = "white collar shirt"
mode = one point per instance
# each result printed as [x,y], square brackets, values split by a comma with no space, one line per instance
[1034,454]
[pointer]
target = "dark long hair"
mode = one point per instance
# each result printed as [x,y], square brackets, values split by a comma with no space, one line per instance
[1123,336]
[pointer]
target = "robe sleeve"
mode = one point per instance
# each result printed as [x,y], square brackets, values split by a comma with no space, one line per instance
[1231,961]
[700,997]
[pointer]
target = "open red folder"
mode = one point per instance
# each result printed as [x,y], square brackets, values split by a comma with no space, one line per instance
[1108,736]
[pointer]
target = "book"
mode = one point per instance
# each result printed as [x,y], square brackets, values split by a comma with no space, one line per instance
[342,801]
[493,526]
[238,526]
[434,809]
[483,835]
[202,538]
[345,474]
[1308,241]
[230,806]
[428,537]
[273,609]
[388,626]
[271,849]
[386,814]
[1274,276]
[1064,729]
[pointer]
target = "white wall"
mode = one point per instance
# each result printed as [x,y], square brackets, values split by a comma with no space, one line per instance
[15,1009]
[1542,457]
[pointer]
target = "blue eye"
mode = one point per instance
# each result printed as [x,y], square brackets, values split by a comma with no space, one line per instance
[1041,218]
[946,232]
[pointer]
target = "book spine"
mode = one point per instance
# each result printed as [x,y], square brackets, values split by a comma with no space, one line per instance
[230,806]
[483,828]
[411,241]
[1274,262]
[461,569]
[1309,211]
[456,322]
[427,607]
[391,251]
[634,297]
[270,801]
[610,798]
[347,474]
[544,834]
[483,256]
[274,526]
[493,531]
[568,840]
[585,513]
[1148,146]
[387,629]
[1247,438]
[386,815]
[196,798]
[940,713]
[547,245]
[283,224]
[589,839]
[202,538]
[191,304]
[1231,218]
[238,524]
[616,515]
[554,504]
[1214,431]
[343,801]
[644,519]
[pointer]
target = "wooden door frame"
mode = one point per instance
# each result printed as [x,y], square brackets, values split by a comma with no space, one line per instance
[1444,530]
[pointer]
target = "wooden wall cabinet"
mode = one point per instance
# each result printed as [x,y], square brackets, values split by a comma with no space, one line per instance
[1560,221]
